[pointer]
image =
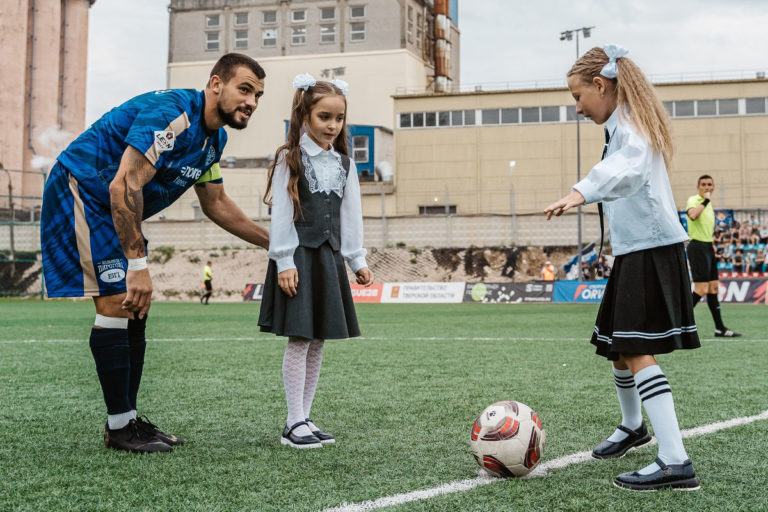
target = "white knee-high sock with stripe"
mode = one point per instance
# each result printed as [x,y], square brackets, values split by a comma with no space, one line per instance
[629,401]
[654,390]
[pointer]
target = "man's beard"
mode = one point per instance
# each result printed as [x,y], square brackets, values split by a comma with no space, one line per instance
[230,119]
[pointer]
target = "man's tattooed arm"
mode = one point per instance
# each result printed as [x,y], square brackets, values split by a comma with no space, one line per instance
[127,201]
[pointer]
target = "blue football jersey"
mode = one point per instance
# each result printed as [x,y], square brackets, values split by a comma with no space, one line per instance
[168,128]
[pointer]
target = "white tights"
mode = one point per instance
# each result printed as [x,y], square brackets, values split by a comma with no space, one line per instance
[301,371]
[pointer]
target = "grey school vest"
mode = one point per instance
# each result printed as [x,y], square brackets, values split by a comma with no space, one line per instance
[320,218]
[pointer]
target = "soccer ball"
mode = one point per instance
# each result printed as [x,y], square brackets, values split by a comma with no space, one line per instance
[507,439]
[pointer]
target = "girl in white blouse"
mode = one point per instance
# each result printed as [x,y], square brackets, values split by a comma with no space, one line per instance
[647,307]
[316,225]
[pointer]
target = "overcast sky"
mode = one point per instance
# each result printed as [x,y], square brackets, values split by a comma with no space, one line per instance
[501,40]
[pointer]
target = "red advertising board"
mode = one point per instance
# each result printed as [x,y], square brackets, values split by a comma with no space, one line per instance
[361,293]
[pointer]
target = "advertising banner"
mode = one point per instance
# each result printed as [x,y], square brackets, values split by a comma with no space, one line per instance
[492,293]
[579,291]
[749,291]
[370,294]
[253,292]
[423,292]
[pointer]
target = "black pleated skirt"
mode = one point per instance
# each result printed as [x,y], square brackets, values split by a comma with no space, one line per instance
[647,307]
[322,308]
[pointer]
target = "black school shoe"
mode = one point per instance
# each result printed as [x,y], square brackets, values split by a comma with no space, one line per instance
[300,442]
[726,333]
[132,438]
[324,437]
[150,428]
[609,449]
[680,477]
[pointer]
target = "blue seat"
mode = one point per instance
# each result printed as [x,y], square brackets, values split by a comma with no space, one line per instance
[729,266]
[760,247]
[747,247]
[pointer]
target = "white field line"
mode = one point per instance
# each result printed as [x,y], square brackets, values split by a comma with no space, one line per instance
[541,470]
[516,339]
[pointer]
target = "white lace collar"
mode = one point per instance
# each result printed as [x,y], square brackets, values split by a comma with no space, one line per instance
[322,168]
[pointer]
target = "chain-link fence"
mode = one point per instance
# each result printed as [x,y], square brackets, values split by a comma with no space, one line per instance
[21,199]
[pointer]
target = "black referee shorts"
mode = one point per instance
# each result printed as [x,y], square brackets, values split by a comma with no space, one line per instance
[701,256]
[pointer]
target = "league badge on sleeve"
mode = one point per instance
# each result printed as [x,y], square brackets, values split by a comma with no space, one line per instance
[164,140]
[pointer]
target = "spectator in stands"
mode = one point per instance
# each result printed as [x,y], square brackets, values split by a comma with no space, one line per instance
[603,269]
[701,253]
[754,236]
[734,234]
[745,233]
[717,237]
[586,273]
[760,260]
[726,253]
[764,234]
[548,271]
[738,261]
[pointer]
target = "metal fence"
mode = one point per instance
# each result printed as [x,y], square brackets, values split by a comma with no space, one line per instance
[20,267]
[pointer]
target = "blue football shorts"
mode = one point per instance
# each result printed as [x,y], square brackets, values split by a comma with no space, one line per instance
[82,256]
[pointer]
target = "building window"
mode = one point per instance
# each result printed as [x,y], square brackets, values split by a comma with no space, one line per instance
[510,116]
[410,24]
[530,114]
[241,39]
[755,106]
[357,11]
[360,148]
[327,13]
[405,120]
[299,16]
[418,119]
[491,116]
[457,117]
[269,17]
[444,118]
[327,33]
[668,106]
[212,20]
[419,31]
[298,36]
[437,210]
[684,108]
[212,41]
[706,108]
[727,107]
[430,119]
[269,38]
[241,18]
[357,31]
[550,114]
[469,117]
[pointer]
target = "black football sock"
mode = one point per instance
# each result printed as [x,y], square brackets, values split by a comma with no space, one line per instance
[138,344]
[714,307]
[113,364]
[696,298]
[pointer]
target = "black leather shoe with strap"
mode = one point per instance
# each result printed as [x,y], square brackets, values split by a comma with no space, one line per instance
[324,437]
[149,427]
[611,450]
[680,477]
[301,442]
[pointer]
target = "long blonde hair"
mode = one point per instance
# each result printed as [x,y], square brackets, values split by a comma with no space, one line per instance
[634,92]
[303,101]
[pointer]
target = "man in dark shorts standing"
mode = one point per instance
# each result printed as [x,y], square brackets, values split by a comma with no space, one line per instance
[701,253]
[129,165]
[207,283]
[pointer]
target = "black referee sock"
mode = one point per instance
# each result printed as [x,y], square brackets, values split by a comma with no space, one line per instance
[696,298]
[714,307]
[138,344]
[113,364]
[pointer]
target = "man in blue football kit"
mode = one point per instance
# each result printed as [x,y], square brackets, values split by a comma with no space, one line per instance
[132,163]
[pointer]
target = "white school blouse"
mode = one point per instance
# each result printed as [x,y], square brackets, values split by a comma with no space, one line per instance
[633,184]
[329,177]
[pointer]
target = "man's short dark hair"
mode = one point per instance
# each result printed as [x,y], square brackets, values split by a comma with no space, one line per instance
[704,177]
[225,67]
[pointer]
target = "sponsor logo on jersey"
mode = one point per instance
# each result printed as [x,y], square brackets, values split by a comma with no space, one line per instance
[191,172]
[111,271]
[164,140]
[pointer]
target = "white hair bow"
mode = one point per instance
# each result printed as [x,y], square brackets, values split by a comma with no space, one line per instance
[614,51]
[341,84]
[304,81]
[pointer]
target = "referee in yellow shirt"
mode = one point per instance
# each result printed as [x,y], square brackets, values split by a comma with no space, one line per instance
[701,253]
[207,282]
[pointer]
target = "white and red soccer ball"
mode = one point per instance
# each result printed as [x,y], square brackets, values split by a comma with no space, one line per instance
[507,439]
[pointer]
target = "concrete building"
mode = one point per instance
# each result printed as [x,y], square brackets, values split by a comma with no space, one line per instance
[43,48]
[454,150]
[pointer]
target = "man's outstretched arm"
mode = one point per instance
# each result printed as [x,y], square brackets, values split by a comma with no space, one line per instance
[222,210]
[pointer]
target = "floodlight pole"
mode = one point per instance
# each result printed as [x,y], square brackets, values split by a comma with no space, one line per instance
[568,35]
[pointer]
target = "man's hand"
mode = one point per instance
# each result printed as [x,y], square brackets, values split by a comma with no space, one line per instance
[288,281]
[139,294]
[563,204]
[708,195]
[364,276]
